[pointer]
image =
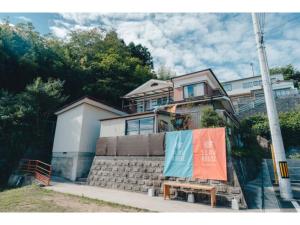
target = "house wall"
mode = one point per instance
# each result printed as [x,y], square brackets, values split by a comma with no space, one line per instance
[116,127]
[196,112]
[75,139]
[91,127]
[238,89]
[111,128]
[186,80]
[68,130]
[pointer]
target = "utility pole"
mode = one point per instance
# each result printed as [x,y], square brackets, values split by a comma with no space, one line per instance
[281,164]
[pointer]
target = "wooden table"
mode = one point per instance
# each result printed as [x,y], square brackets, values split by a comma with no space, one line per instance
[207,189]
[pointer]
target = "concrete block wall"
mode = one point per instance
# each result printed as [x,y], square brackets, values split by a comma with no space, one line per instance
[138,174]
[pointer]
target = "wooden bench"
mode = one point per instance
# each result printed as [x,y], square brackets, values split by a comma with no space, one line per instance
[193,187]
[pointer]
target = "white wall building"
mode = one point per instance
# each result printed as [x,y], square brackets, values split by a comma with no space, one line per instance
[77,130]
[249,90]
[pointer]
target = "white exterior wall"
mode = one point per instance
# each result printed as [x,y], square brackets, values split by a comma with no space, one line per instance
[237,85]
[195,78]
[116,127]
[68,131]
[76,134]
[112,128]
[91,127]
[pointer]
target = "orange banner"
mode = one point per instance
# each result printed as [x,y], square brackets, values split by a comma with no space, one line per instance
[210,154]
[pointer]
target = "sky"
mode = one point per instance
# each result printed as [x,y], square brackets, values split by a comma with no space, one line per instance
[187,42]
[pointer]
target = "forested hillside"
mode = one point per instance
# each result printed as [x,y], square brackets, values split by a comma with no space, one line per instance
[40,73]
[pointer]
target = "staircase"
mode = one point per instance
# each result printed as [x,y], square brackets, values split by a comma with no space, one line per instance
[257,102]
[260,193]
[39,170]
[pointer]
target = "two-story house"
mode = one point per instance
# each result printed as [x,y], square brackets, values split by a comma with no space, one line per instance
[158,106]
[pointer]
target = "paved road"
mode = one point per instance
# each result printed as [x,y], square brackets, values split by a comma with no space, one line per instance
[138,200]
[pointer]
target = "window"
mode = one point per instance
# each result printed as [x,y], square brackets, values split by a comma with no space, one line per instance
[140,126]
[247,85]
[257,83]
[154,103]
[282,92]
[140,106]
[148,106]
[227,87]
[193,90]
[162,101]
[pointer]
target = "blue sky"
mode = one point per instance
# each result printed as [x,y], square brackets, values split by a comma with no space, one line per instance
[187,42]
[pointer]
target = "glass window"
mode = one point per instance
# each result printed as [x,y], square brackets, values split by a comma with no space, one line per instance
[257,83]
[162,101]
[247,85]
[193,90]
[140,126]
[146,125]
[154,103]
[282,92]
[227,87]
[132,127]
[140,106]
[148,106]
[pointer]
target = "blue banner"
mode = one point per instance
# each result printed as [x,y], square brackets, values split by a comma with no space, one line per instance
[179,154]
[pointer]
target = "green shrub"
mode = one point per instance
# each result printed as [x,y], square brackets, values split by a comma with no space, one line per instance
[211,119]
[289,124]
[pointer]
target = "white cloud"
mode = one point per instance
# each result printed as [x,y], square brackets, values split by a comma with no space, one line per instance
[189,42]
[60,32]
[24,18]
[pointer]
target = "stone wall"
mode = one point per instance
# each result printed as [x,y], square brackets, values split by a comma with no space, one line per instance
[138,174]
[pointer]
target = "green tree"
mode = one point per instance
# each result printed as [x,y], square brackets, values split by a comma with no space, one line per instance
[25,120]
[210,118]
[289,124]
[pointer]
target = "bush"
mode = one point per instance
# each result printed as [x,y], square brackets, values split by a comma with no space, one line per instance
[289,123]
[211,119]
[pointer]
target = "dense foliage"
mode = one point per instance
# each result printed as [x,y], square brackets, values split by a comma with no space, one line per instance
[289,123]
[38,74]
[90,62]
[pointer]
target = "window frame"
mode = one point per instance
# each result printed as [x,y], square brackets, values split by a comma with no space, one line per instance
[193,84]
[139,124]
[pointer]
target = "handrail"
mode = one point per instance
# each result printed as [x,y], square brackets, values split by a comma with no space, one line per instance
[40,170]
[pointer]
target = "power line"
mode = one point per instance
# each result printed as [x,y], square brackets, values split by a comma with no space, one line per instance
[282,24]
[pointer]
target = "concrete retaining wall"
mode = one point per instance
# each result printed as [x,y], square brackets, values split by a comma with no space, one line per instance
[138,174]
[71,165]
